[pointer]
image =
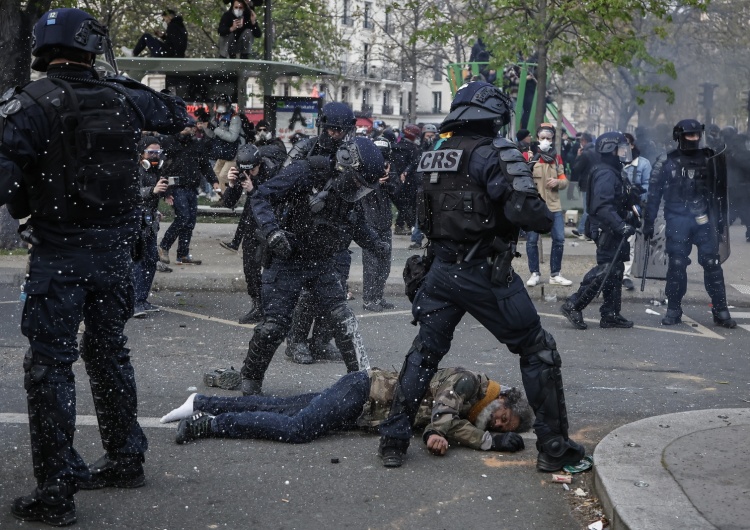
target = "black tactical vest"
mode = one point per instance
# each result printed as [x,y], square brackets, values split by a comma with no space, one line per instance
[689,178]
[90,168]
[452,205]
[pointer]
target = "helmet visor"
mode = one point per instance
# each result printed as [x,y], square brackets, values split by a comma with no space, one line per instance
[624,153]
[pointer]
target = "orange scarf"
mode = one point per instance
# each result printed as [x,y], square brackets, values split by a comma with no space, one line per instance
[493,392]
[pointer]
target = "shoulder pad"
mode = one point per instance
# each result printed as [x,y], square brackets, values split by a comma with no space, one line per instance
[10,107]
[518,169]
[503,143]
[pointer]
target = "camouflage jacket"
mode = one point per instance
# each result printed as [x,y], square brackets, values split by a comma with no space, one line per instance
[445,407]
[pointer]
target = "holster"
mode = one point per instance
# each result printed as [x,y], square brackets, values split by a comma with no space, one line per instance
[502,269]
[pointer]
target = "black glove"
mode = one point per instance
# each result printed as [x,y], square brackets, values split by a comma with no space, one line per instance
[507,441]
[648,230]
[278,244]
[626,230]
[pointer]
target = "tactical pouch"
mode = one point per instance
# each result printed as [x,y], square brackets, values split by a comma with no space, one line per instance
[415,271]
[502,269]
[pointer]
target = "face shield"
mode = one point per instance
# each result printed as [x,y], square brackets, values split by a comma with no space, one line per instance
[624,153]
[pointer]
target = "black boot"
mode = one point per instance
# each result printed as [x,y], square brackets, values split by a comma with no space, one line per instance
[672,318]
[196,426]
[251,387]
[556,452]
[53,506]
[723,318]
[299,353]
[574,316]
[255,314]
[116,471]
[615,320]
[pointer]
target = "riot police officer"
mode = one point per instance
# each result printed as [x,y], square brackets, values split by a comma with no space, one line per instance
[477,192]
[70,161]
[612,221]
[692,181]
[314,202]
[336,123]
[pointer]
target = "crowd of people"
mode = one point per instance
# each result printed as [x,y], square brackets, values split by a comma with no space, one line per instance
[91,192]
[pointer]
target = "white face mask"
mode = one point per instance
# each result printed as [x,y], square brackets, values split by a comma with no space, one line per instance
[221,109]
[238,13]
[164,24]
[545,145]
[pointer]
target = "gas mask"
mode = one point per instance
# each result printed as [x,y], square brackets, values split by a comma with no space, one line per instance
[264,136]
[153,161]
[238,13]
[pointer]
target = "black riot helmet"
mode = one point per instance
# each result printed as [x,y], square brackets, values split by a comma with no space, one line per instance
[685,127]
[614,149]
[336,117]
[361,164]
[384,145]
[66,28]
[479,106]
[248,157]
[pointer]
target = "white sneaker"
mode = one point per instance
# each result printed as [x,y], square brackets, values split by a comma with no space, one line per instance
[559,280]
[126,52]
[534,280]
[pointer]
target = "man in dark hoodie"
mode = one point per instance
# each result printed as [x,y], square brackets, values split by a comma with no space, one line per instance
[172,42]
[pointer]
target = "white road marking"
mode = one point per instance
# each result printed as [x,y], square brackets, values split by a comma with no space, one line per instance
[696,331]
[740,314]
[11,417]
[11,302]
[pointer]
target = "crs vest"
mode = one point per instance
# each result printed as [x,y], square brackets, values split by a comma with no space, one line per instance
[689,177]
[452,205]
[90,168]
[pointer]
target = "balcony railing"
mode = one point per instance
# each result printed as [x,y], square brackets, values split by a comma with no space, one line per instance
[437,110]
[366,107]
[388,109]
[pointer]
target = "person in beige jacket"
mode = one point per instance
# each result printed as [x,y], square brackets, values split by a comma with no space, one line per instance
[549,176]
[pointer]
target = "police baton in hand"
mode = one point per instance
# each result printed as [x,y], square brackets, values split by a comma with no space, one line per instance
[646,256]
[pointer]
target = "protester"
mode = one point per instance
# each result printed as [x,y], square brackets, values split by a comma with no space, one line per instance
[84,218]
[549,177]
[406,154]
[459,408]
[224,131]
[639,174]
[581,171]
[172,42]
[238,28]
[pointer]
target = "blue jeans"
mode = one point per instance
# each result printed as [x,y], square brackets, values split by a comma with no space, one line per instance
[556,252]
[294,419]
[144,270]
[185,211]
[582,222]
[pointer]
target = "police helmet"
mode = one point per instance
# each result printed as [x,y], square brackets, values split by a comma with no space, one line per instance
[248,157]
[683,128]
[613,146]
[479,104]
[384,145]
[66,28]
[335,116]
[360,159]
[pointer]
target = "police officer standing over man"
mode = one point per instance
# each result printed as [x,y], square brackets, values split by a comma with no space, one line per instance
[609,202]
[693,184]
[69,160]
[313,199]
[477,192]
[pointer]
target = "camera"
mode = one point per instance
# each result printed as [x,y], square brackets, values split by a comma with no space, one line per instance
[173,181]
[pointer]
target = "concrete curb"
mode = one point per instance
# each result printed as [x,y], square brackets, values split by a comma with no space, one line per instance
[634,454]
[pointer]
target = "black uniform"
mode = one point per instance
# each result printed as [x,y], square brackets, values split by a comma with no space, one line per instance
[285,203]
[85,222]
[471,213]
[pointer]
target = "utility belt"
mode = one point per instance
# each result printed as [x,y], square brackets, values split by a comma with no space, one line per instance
[500,258]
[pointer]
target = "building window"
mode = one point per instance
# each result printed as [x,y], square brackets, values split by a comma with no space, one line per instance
[365,58]
[286,90]
[437,102]
[366,102]
[367,18]
[387,24]
[437,69]
[345,94]
[387,107]
[346,15]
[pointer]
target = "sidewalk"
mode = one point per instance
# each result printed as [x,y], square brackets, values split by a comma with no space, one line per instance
[222,269]
[689,470]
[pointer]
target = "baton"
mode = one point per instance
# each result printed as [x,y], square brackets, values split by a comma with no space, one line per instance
[645,264]
[611,266]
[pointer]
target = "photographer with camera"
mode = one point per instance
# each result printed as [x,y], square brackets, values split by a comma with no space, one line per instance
[189,163]
[250,171]
[153,186]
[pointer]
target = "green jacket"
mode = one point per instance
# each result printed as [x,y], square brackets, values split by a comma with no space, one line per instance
[444,409]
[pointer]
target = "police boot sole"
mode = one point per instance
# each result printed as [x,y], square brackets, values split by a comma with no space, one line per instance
[729,324]
[226,379]
[621,325]
[392,458]
[120,482]
[63,519]
[670,321]
[547,463]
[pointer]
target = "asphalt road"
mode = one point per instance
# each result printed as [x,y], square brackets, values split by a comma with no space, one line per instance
[612,377]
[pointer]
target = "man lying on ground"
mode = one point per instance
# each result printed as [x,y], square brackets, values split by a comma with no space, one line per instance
[460,407]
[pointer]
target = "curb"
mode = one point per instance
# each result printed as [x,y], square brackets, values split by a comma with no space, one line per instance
[633,455]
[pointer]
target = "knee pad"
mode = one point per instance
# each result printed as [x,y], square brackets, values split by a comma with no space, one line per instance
[269,332]
[542,341]
[342,312]
[679,262]
[710,262]
[422,357]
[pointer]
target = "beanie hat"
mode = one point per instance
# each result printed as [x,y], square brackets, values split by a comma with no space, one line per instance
[522,134]
[263,123]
